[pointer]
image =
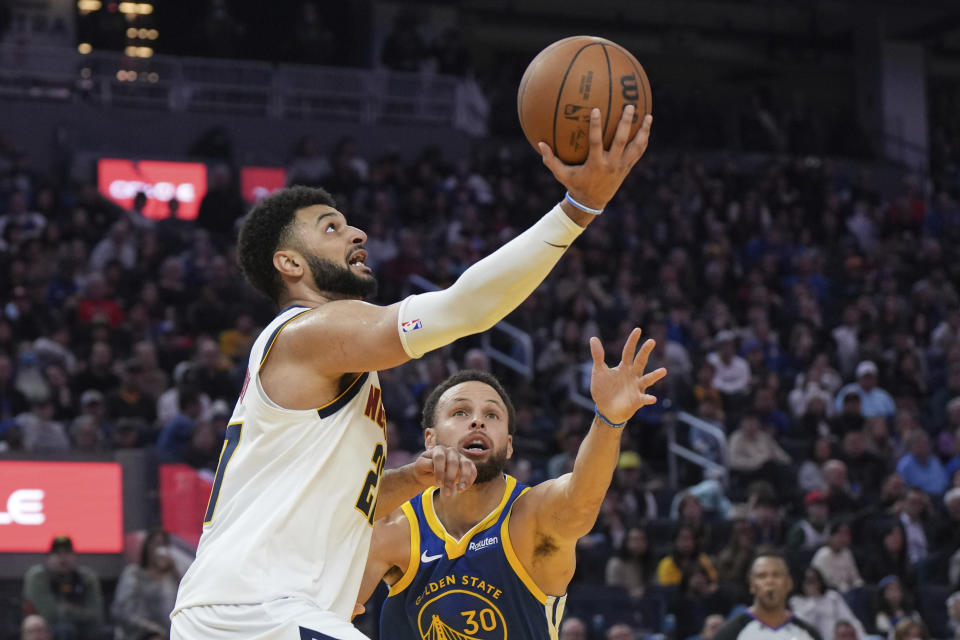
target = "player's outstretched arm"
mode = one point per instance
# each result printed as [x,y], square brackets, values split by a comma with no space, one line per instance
[348,336]
[568,506]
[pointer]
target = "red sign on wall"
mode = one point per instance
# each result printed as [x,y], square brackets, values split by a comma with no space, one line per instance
[121,180]
[184,493]
[259,182]
[42,500]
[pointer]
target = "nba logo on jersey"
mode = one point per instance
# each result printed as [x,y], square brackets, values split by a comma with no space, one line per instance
[411,325]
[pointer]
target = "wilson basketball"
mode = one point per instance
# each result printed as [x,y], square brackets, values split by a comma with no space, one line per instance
[570,77]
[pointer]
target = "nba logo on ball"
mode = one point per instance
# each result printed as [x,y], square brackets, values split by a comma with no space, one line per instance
[410,325]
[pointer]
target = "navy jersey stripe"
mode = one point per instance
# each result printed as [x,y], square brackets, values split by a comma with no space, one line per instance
[340,401]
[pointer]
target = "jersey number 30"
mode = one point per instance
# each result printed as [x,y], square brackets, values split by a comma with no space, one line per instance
[230,443]
[367,501]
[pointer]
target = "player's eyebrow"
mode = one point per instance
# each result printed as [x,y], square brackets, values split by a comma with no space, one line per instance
[326,215]
[490,400]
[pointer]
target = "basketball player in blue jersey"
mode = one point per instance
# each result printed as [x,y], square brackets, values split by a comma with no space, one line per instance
[300,480]
[494,561]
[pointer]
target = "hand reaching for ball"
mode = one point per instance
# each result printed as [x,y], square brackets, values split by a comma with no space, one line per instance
[595,182]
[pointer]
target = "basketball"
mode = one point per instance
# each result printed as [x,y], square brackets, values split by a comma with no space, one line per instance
[570,77]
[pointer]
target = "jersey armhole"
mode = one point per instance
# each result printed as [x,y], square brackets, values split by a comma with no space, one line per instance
[514,560]
[414,563]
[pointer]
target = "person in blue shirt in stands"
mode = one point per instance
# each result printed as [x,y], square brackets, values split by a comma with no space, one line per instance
[874,401]
[920,469]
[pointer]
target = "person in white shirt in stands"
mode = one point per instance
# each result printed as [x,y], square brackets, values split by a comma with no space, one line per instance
[823,607]
[731,372]
[835,561]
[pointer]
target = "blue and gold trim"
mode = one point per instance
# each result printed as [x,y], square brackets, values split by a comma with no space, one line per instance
[414,565]
[456,548]
[276,332]
[346,396]
[514,560]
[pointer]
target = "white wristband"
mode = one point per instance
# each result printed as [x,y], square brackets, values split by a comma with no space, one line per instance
[489,290]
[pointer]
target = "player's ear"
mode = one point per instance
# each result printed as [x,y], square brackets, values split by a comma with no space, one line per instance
[289,263]
[509,447]
[429,438]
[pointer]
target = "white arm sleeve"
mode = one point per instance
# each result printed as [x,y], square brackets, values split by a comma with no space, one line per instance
[489,290]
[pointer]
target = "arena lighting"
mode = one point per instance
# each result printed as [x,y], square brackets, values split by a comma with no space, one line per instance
[84,48]
[87,6]
[138,52]
[132,32]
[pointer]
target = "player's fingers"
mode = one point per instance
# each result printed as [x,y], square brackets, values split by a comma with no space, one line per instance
[358,609]
[596,134]
[622,135]
[468,474]
[439,470]
[596,350]
[640,361]
[647,399]
[630,346]
[638,145]
[652,378]
[451,472]
[549,159]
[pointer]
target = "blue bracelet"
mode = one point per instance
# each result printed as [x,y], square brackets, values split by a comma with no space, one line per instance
[582,207]
[602,417]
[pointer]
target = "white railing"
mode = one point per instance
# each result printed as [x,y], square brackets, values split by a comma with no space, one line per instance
[675,450]
[227,86]
[520,339]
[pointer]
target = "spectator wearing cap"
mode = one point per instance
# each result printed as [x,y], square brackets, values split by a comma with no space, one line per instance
[835,560]
[731,372]
[893,606]
[34,627]
[68,596]
[638,501]
[810,532]
[920,468]
[874,401]
[93,404]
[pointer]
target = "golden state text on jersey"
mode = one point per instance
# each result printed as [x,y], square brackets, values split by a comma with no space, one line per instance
[474,588]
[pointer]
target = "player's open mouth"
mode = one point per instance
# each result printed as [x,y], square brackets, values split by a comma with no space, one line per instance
[358,259]
[476,445]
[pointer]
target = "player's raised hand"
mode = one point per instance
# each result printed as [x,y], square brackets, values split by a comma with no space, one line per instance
[595,182]
[445,467]
[620,391]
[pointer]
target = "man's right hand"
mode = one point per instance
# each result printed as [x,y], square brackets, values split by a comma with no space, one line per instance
[595,182]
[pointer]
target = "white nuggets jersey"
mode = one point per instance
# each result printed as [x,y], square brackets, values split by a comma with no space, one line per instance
[291,511]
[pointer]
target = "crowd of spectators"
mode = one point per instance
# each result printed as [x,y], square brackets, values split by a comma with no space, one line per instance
[813,320]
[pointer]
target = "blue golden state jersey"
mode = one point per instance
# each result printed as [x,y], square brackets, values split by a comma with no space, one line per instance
[469,589]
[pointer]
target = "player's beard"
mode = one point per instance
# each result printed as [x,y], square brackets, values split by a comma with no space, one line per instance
[492,467]
[329,277]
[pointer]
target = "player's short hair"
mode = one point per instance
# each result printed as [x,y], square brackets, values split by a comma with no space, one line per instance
[429,418]
[266,228]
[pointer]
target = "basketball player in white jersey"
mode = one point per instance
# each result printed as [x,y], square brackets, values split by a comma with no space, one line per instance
[300,479]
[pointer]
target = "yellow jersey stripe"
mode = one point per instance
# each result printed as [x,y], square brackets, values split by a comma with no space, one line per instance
[456,548]
[514,561]
[414,563]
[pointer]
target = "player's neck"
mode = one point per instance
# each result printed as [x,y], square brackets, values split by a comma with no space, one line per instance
[306,298]
[772,618]
[461,512]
